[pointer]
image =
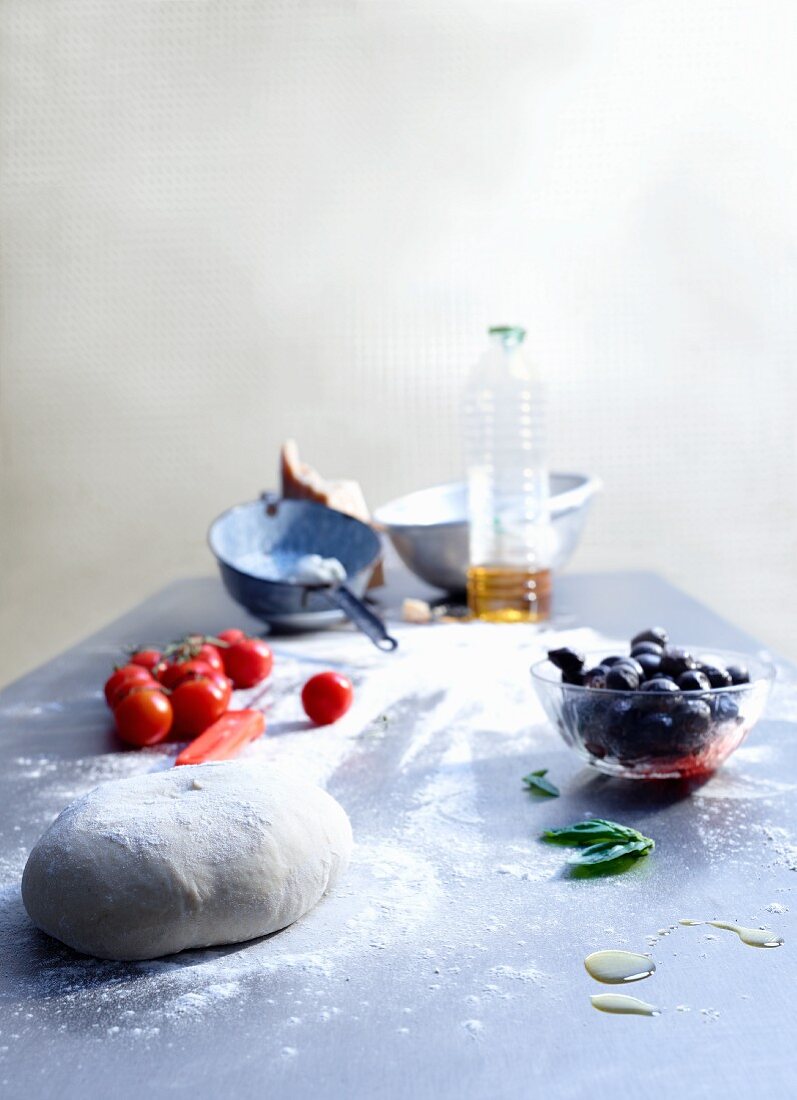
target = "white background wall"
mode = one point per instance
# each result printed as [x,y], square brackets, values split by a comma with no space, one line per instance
[226,222]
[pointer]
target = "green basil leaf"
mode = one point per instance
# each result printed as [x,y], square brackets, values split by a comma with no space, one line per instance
[621,830]
[536,782]
[607,851]
[591,832]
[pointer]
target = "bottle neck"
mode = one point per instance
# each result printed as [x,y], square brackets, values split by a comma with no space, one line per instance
[507,337]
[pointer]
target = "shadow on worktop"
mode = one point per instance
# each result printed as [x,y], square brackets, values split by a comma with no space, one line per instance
[629,795]
[39,968]
[699,825]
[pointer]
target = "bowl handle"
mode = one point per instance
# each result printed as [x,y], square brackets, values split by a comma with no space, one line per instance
[354,608]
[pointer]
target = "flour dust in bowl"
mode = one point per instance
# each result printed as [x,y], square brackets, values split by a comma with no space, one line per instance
[263,547]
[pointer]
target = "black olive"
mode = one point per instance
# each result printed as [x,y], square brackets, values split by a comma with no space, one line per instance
[632,663]
[591,724]
[650,663]
[717,677]
[725,708]
[691,721]
[655,634]
[660,694]
[622,677]
[654,733]
[575,678]
[592,713]
[675,661]
[596,677]
[647,647]
[738,674]
[609,662]
[619,712]
[566,660]
[694,680]
[619,726]
[660,683]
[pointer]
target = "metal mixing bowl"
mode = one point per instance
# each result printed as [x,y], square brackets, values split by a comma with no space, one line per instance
[430,532]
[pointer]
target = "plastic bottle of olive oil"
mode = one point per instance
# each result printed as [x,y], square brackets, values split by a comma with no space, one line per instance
[509,577]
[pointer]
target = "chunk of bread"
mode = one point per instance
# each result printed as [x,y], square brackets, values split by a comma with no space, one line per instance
[300,481]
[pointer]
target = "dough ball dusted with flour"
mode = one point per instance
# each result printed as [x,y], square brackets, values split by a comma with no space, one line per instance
[191,857]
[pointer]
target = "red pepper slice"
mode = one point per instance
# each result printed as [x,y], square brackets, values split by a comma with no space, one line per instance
[225,738]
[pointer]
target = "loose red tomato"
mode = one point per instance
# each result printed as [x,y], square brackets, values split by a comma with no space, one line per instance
[144,717]
[147,658]
[231,635]
[127,674]
[196,705]
[326,697]
[247,662]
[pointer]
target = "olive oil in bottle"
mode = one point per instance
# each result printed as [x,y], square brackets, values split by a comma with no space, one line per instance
[509,576]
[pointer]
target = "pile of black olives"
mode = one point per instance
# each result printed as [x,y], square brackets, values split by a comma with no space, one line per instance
[674,711]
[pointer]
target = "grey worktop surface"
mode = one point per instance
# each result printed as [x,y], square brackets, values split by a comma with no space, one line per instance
[449,963]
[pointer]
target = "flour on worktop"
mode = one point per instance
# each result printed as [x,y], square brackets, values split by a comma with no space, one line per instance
[529,974]
[535,865]
[737,781]
[452,699]
[448,665]
[782,844]
[732,783]
[435,730]
[473,1027]
[388,894]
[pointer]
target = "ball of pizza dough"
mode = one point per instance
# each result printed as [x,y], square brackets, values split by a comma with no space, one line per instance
[191,857]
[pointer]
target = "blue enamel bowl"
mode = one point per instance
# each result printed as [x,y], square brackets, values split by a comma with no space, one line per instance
[285,530]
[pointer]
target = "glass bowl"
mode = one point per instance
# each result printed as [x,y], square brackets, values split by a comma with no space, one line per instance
[652,735]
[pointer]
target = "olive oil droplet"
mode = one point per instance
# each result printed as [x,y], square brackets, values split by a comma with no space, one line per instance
[621,1004]
[753,937]
[618,967]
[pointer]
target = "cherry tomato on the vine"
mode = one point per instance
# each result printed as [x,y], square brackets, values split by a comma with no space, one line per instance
[196,705]
[247,662]
[192,669]
[225,683]
[130,686]
[147,658]
[144,717]
[127,674]
[231,635]
[326,697]
[211,655]
[169,672]
[195,669]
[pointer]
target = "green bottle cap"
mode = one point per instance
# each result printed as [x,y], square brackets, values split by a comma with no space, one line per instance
[510,334]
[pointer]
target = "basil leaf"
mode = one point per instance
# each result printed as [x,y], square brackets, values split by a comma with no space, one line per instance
[607,851]
[617,828]
[592,831]
[536,782]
